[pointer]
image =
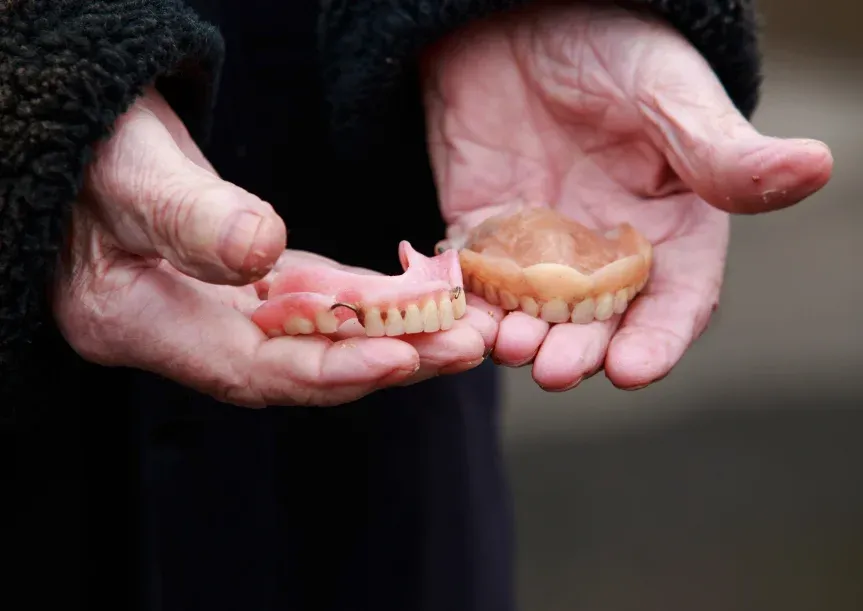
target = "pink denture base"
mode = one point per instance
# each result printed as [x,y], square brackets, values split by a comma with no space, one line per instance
[314,288]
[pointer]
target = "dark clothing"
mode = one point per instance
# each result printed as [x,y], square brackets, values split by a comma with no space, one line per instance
[396,502]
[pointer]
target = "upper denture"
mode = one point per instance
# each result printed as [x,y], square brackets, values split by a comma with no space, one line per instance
[534,259]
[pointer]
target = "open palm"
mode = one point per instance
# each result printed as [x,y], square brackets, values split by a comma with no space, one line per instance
[611,117]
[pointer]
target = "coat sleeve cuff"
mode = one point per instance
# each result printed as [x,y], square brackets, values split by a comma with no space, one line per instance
[67,71]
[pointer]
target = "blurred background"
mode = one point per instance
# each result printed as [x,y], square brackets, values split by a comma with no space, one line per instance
[736,484]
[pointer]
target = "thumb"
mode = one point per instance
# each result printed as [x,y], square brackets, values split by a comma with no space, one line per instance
[158,202]
[713,148]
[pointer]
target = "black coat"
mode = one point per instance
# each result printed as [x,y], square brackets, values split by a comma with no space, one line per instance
[395,502]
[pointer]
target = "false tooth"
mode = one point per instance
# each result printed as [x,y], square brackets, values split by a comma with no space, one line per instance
[299,326]
[508,301]
[395,325]
[326,322]
[431,321]
[446,314]
[620,301]
[373,323]
[555,311]
[583,312]
[604,307]
[529,306]
[459,305]
[413,319]
[491,294]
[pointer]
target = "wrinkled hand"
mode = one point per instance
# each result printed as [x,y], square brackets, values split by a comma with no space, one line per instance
[157,277]
[611,117]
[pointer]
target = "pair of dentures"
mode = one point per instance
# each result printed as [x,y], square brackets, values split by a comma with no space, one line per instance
[316,298]
[527,258]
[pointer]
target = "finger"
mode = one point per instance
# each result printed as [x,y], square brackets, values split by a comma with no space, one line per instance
[309,370]
[446,352]
[572,353]
[675,306]
[157,202]
[519,339]
[485,319]
[711,146]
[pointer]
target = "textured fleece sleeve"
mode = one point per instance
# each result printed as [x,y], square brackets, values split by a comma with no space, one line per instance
[368,46]
[68,69]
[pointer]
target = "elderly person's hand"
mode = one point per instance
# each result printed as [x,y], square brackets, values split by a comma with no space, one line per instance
[611,117]
[158,271]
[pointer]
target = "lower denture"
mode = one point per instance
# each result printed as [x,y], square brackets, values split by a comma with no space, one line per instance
[534,259]
[318,299]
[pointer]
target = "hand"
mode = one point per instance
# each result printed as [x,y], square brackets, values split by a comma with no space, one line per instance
[157,277]
[611,117]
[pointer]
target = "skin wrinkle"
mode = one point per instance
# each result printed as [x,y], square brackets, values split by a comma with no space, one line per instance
[520,163]
[559,54]
[232,377]
[242,391]
[300,393]
[570,55]
[594,353]
[171,211]
[660,285]
[525,55]
[109,179]
[95,273]
[669,136]
[454,125]
[639,327]
[101,332]
[666,348]
[525,50]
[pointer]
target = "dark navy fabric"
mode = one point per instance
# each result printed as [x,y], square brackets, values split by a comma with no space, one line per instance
[397,502]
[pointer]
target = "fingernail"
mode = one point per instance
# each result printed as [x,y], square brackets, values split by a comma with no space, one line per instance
[238,239]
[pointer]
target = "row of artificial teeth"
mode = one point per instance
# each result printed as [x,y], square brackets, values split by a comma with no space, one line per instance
[601,307]
[434,315]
